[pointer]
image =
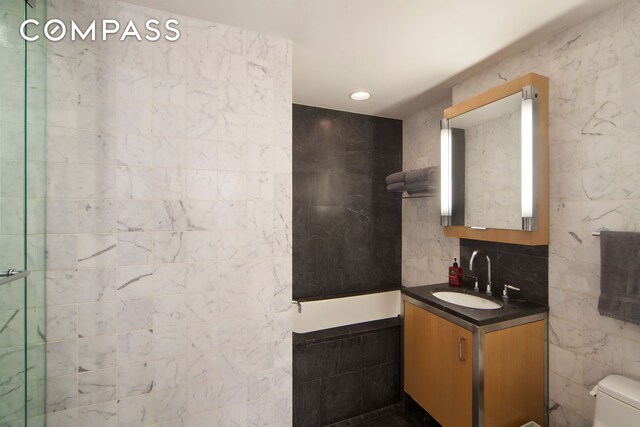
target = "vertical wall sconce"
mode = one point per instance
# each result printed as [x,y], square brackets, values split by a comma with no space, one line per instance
[446,178]
[529,158]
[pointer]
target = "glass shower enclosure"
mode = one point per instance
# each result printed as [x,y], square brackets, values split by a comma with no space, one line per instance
[22,218]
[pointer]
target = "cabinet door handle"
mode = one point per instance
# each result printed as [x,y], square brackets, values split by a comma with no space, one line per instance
[461,341]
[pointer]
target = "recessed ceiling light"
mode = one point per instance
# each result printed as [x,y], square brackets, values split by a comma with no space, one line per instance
[360,96]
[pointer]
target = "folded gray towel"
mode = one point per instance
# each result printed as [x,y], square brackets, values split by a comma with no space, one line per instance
[395,177]
[620,276]
[397,187]
[418,175]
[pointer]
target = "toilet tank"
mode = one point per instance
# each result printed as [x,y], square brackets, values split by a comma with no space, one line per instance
[617,402]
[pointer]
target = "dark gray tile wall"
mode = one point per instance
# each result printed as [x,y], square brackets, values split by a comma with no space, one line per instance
[526,267]
[346,227]
[342,378]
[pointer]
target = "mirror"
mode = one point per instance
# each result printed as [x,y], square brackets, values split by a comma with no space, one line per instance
[494,164]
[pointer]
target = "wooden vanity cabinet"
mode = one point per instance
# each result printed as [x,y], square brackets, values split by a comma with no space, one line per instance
[440,362]
[437,367]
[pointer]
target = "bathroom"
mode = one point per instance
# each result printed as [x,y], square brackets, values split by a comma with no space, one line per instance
[205,223]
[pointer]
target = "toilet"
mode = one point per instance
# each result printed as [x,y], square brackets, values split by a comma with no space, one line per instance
[617,402]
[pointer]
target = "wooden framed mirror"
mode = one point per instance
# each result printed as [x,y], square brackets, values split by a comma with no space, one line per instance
[495,164]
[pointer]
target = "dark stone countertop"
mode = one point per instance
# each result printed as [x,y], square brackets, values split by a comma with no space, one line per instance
[512,308]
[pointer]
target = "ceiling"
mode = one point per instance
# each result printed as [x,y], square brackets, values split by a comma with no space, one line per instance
[407,53]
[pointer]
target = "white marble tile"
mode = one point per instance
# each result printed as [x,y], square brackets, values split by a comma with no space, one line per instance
[134,215]
[170,372]
[169,58]
[169,120]
[96,216]
[170,403]
[603,54]
[168,247]
[62,393]
[97,353]
[62,322]
[169,90]
[134,182]
[168,152]
[201,64]
[62,252]
[201,123]
[62,358]
[133,84]
[167,184]
[169,310]
[202,215]
[202,34]
[135,347]
[260,412]
[101,414]
[202,277]
[97,318]
[135,379]
[135,248]
[138,135]
[169,341]
[62,287]
[232,127]
[231,156]
[171,279]
[201,184]
[202,367]
[96,386]
[135,117]
[201,397]
[136,411]
[260,130]
[135,314]
[96,250]
[95,79]
[202,96]
[135,150]
[68,418]
[135,282]
[232,186]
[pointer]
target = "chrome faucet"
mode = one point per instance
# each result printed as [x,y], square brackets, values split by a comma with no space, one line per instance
[473,255]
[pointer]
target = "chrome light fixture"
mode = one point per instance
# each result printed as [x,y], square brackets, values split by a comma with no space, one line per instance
[446,178]
[529,158]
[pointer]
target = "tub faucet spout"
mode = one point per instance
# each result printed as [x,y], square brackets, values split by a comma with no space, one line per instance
[298,304]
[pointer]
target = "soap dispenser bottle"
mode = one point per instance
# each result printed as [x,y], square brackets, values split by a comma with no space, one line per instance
[455,274]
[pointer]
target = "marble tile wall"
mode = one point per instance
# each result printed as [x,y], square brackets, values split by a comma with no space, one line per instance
[594,74]
[347,227]
[426,253]
[169,226]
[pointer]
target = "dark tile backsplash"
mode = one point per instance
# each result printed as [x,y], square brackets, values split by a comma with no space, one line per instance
[526,267]
[345,376]
[346,227]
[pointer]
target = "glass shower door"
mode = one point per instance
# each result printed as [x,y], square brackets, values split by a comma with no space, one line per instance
[22,218]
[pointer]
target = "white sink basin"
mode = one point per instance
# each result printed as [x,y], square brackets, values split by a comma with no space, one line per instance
[467,300]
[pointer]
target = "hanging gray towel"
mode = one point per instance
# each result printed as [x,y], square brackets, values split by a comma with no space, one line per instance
[396,187]
[620,276]
[418,175]
[395,177]
[418,187]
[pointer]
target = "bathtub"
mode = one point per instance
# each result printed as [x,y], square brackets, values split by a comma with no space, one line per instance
[335,312]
